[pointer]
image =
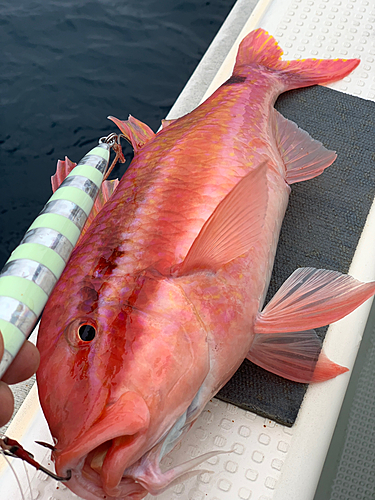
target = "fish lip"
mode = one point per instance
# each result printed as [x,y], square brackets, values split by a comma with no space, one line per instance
[88,483]
[129,416]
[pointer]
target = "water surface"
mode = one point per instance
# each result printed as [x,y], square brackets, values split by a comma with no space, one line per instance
[67,65]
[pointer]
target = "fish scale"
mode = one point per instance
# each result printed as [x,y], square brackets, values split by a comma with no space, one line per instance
[180,257]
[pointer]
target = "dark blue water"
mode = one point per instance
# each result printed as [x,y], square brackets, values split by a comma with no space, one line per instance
[67,65]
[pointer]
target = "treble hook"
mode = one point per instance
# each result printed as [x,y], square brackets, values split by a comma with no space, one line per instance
[13,449]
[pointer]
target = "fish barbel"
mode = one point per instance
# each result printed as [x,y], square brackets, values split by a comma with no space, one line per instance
[162,299]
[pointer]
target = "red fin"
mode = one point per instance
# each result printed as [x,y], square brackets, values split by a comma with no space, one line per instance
[63,169]
[258,47]
[136,132]
[306,72]
[294,356]
[233,227]
[303,156]
[261,48]
[105,192]
[166,123]
[310,298]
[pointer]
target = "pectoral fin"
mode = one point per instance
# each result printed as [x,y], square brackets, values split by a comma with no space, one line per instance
[310,298]
[296,356]
[233,227]
[303,156]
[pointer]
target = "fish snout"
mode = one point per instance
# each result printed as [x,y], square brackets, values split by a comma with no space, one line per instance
[113,443]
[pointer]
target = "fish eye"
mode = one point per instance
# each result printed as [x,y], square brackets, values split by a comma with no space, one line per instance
[86,333]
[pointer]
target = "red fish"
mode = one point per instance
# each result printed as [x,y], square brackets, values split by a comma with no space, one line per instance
[162,299]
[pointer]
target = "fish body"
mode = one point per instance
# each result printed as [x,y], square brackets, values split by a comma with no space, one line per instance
[161,300]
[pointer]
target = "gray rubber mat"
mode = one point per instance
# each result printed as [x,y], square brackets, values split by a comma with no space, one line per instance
[322,226]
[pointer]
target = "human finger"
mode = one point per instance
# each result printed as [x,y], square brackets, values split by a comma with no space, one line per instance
[6,403]
[24,364]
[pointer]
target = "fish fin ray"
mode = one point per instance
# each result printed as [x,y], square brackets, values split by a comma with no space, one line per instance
[135,131]
[104,194]
[63,169]
[166,123]
[233,227]
[258,47]
[106,190]
[303,156]
[262,48]
[307,72]
[156,481]
[295,356]
[311,298]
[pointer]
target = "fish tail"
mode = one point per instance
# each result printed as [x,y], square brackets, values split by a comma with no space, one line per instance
[261,48]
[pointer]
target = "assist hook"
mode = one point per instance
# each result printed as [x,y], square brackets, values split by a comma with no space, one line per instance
[12,448]
[114,142]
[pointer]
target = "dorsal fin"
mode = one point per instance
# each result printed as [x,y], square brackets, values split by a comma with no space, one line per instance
[233,227]
[104,194]
[136,132]
[303,156]
[63,169]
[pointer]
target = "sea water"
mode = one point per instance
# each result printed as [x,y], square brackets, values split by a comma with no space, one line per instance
[67,65]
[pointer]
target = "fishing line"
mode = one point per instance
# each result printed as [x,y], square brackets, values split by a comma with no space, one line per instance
[28,480]
[14,473]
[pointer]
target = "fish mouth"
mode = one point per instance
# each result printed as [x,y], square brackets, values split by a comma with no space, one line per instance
[99,457]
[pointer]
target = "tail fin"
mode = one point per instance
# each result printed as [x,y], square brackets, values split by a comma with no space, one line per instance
[261,48]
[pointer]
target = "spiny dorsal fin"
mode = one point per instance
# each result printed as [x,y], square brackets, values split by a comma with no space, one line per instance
[296,356]
[310,298]
[105,192]
[63,169]
[136,132]
[233,227]
[303,156]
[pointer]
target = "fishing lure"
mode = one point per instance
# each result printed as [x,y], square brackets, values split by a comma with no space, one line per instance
[31,272]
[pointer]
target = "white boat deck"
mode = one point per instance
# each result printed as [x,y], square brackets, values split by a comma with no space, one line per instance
[268,461]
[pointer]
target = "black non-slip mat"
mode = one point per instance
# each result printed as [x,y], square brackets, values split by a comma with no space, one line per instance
[322,225]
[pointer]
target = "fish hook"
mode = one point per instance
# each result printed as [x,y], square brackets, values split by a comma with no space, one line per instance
[114,142]
[12,448]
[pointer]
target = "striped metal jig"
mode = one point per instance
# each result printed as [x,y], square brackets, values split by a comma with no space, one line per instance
[31,272]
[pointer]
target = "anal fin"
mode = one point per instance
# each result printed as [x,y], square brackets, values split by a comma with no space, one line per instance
[295,356]
[303,156]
